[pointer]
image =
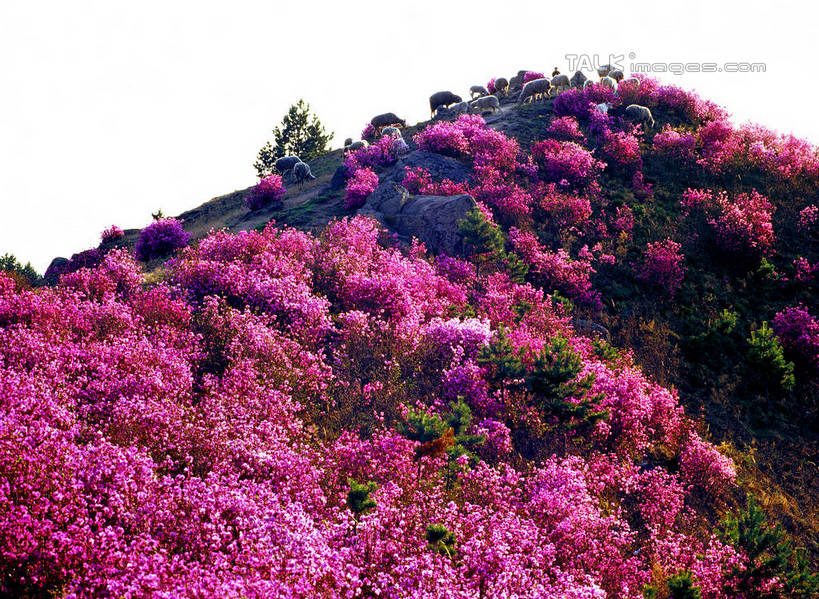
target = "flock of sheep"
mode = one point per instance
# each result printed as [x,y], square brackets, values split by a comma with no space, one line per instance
[445,104]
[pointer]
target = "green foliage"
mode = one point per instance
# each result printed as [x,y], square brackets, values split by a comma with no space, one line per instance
[504,363]
[682,587]
[300,134]
[485,244]
[158,214]
[767,554]
[9,262]
[440,539]
[605,351]
[422,427]
[718,340]
[554,382]
[359,498]
[766,359]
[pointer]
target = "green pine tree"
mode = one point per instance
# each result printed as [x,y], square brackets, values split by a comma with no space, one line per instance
[359,498]
[767,360]
[553,381]
[767,554]
[682,587]
[440,539]
[483,241]
[9,262]
[504,363]
[299,134]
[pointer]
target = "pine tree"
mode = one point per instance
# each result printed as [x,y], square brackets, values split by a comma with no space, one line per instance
[682,587]
[483,241]
[553,381]
[440,539]
[300,134]
[9,262]
[504,362]
[768,361]
[767,554]
[358,497]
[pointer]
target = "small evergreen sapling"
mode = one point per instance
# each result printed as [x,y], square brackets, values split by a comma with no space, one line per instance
[440,539]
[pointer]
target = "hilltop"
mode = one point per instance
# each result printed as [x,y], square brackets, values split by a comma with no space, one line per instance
[556,364]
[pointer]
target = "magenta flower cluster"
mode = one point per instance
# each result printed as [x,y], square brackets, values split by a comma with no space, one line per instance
[269,191]
[531,76]
[798,331]
[196,437]
[663,265]
[111,234]
[565,163]
[359,186]
[160,238]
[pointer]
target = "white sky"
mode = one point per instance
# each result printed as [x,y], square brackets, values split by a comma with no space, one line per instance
[110,110]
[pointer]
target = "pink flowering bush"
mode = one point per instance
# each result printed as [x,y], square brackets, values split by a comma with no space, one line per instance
[490,86]
[809,218]
[379,154]
[359,186]
[531,76]
[160,238]
[565,163]
[111,235]
[675,145]
[368,133]
[269,191]
[566,129]
[663,265]
[419,181]
[621,151]
[703,466]
[798,331]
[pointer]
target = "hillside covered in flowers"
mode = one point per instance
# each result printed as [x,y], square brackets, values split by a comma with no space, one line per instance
[568,406]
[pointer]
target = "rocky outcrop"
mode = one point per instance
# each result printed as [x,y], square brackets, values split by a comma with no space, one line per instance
[432,219]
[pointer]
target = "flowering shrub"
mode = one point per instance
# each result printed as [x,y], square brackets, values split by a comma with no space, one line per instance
[675,144]
[111,234]
[566,129]
[369,133]
[702,465]
[572,103]
[742,224]
[798,331]
[809,218]
[268,191]
[419,181]
[663,265]
[720,146]
[565,209]
[805,271]
[378,154]
[359,186]
[623,220]
[160,238]
[621,150]
[490,86]
[565,163]
[531,76]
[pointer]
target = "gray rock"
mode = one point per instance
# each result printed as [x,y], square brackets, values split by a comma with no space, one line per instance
[53,270]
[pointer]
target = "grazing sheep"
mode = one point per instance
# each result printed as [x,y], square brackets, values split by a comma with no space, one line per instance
[588,83]
[604,107]
[348,141]
[391,131]
[609,82]
[444,99]
[356,145]
[462,107]
[285,163]
[617,75]
[301,173]
[502,86]
[640,114]
[384,120]
[578,79]
[400,147]
[604,69]
[486,103]
[633,81]
[560,83]
[535,89]
[516,82]
[477,91]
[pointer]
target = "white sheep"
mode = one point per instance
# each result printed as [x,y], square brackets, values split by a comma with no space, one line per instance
[535,89]
[588,83]
[391,131]
[609,82]
[285,163]
[604,107]
[485,103]
[640,114]
[560,83]
[632,81]
[478,91]
[617,75]
[604,69]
